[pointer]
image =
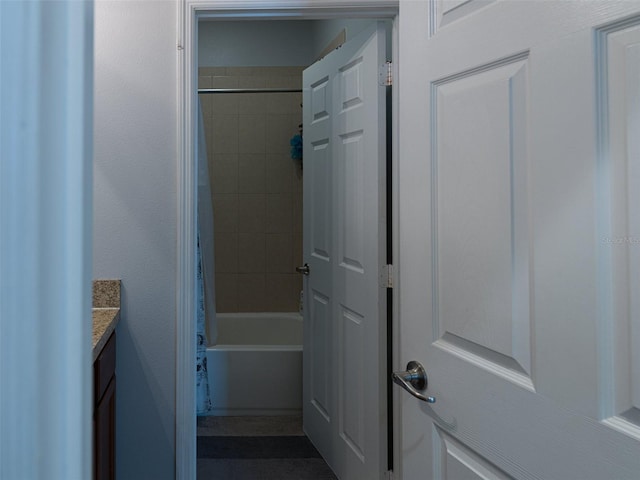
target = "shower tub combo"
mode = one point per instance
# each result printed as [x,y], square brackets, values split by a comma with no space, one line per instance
[256,366]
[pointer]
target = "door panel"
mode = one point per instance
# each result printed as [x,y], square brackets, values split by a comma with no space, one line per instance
[455,461]
[479,218]
[351,387]
[519,238]
[620,89]
[318,251]
[344,185]
[351,166]
[444,12]
[319,368]
[320,203]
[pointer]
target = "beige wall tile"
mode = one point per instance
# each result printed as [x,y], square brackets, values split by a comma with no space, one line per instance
[226,292]
[279,213]
[240,129]
[263,71]
[226,159]
[211,71]
[279,173]
[224,133]
[274,103]
[296,206]
[207,110]
[224,173]
[285,103]
[295,105]
[251,160]
[296,70]
[251,81]
[222,103]
[284,71]
[224,81]
[225,212]
[208,136]
[251,173]
[297,176]
[251,253]
[251,133]
[251,213]
[251,292]
[204,81]
[279,249]
[278,160]
[280,103]
[295,120]
[279,133]
[296,250]
[284,81]
[282,292]
[241,71]
[226,252]
[251,103]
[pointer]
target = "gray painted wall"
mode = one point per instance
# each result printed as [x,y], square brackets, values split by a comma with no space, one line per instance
[135,204]
[324,31]
[135,221]
[255,43]
[269,43]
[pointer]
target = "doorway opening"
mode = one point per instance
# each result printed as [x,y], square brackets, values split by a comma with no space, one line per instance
[250,93]
[255,154]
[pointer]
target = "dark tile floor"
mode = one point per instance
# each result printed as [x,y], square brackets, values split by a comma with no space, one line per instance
[257,448]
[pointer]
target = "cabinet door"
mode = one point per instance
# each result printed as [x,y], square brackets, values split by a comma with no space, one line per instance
[104,421]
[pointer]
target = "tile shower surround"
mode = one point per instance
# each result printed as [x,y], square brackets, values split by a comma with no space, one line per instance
[256,187]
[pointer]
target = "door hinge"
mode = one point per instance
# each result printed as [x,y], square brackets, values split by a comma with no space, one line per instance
[385,77]
[386,277]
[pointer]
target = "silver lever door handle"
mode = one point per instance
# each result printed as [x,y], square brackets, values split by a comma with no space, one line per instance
[413,380]
[303,269]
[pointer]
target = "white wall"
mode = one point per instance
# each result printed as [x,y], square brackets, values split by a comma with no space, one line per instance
[256,43]
[135,220]
[269,43]
[324,31]
[135,204]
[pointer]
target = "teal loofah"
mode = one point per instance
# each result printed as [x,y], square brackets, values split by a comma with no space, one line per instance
[296,147]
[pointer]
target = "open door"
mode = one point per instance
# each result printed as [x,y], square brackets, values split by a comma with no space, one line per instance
[520,239]
[344,112]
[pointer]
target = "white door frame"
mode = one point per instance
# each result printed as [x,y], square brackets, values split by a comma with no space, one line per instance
[189,12]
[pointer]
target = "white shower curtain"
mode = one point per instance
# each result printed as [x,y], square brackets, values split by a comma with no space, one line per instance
[206,311]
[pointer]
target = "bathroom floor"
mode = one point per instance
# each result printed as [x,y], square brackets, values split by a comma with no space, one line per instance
[257,448]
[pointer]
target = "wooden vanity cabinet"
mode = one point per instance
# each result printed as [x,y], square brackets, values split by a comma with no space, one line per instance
[104,413]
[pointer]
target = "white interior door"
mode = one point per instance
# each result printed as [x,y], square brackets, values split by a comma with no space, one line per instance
[344,313]
[520,238]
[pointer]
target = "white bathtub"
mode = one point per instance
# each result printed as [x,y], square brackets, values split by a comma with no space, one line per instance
[256,366]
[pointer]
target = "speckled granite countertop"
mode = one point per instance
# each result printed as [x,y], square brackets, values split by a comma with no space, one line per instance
[106,312]
[104,323]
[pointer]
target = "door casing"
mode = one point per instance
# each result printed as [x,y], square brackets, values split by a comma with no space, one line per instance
[188,15]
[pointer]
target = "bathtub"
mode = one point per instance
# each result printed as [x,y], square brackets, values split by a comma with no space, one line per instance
[256,366]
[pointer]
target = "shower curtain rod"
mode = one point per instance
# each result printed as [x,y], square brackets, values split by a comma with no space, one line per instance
[249,90]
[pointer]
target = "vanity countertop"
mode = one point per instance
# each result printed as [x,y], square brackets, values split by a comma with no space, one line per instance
[106,312]
[104,323]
